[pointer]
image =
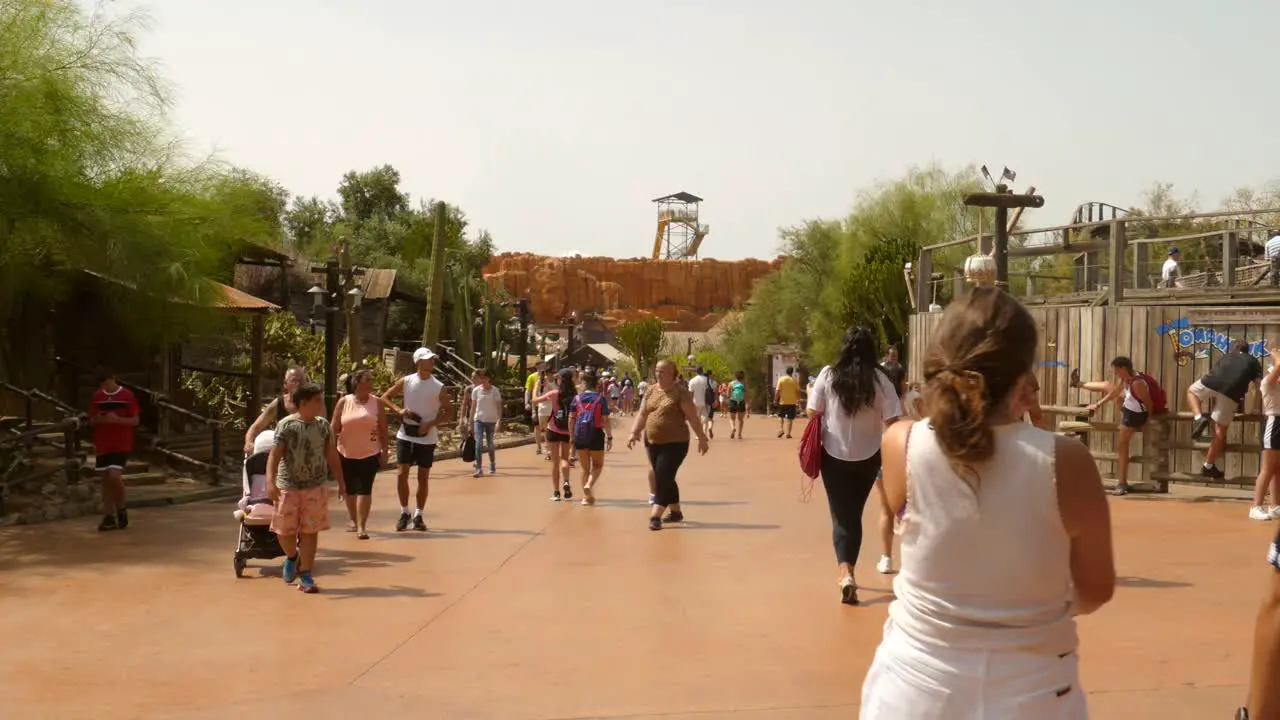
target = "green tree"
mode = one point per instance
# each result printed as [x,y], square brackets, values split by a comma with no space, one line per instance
[845,272]
[642,340]
[372,193]
[90,179]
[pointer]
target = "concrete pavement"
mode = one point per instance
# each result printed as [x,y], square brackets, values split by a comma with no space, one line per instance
[518,608]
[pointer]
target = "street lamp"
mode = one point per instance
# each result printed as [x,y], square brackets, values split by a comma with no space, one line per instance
[317,297]
[356,295]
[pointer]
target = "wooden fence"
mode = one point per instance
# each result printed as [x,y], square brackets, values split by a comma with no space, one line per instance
[1175,344]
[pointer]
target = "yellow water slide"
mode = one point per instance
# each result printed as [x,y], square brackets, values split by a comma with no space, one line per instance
[698,235]
[657,239]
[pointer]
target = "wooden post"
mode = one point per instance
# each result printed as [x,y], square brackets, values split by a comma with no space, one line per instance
[257,341]
[924,279]
[1230,251]
[1115,274]
[1141,256]
[1163,457]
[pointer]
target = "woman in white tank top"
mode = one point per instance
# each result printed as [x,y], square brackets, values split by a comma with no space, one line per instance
[1006,537]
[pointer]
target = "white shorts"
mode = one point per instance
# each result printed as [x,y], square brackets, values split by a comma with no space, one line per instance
[1224,408]
[544,413]
[909,681]
[1271,433]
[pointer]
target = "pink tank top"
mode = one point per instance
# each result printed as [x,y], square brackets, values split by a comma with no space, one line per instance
[359,436]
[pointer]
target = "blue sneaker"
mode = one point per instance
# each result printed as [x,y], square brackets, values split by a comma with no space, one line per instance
[290,571]
[306,583]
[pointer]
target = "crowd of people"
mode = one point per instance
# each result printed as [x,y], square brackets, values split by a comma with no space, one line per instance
[962,470]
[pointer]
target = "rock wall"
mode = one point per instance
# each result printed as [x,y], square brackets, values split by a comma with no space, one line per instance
[688,294]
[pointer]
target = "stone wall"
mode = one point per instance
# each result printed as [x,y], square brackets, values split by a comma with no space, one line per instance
[690,294]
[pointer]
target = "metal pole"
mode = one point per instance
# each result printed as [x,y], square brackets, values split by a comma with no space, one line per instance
[333,287]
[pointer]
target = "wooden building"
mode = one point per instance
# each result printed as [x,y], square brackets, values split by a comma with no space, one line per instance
[1175,334]
[286,281]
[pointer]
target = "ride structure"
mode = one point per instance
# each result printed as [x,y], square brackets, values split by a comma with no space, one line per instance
[679,233]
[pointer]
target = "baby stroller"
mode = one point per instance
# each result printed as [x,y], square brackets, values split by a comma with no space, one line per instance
[255,511]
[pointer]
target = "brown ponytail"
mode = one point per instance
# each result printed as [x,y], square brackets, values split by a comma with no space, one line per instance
[984,344]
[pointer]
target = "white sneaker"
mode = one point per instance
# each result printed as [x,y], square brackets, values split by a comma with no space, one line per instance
[885,566]
[1275,512]
[1260,513]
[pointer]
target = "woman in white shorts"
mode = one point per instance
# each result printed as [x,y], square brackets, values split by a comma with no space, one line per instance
[1269,472]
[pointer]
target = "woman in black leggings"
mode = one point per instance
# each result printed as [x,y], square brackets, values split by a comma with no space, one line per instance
[666,415]
[854,400]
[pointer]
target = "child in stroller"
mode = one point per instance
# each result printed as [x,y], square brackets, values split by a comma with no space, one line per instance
[255,511]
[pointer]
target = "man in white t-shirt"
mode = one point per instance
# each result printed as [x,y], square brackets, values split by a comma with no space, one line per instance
[1171,272]
[702,388]
[426,404]
[1273,247]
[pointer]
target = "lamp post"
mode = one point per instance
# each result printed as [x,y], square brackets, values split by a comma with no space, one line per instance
[330,298]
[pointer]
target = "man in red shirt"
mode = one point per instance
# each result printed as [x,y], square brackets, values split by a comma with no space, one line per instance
[113,412]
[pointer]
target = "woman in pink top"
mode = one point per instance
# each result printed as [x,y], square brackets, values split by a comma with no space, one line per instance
[360,425]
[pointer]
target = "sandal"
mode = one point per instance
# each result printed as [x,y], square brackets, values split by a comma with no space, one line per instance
[362,535]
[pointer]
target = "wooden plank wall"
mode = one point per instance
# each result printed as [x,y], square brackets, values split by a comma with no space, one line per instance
[1089,338]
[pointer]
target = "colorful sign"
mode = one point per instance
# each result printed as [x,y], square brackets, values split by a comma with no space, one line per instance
[1199,341]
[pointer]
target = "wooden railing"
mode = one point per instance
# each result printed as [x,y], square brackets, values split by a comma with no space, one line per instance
[1159,454]
[163,404]
[68,426]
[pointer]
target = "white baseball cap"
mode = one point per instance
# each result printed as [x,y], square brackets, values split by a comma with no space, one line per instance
[423,354]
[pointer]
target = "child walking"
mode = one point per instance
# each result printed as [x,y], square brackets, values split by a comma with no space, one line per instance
[301,460]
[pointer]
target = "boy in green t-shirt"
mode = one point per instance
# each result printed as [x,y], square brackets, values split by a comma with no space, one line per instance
[299,465]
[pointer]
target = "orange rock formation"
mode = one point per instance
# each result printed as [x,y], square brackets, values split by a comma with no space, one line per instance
[689,294]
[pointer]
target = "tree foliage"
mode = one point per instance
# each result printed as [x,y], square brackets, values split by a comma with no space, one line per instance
[286,344]
[642,340]
[849,272]
[90,178]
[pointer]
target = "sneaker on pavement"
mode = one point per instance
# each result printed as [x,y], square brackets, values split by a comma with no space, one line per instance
[419,523]
[885,566]
[655,523]
[1212,471]
[109,522]
[848,591]
[1258,512]
[306,583]
[673,516]
[403,523]
[478,473]
[1275,511]
[122,518]
[566,490]
[555,496]
[493,469]
[289,571]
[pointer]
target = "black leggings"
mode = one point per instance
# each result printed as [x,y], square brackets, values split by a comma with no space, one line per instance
[848,485]
[665,459]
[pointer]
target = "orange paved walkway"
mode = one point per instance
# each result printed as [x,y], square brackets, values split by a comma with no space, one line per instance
[517,608]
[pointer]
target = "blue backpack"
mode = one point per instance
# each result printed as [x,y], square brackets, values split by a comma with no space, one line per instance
[588,407]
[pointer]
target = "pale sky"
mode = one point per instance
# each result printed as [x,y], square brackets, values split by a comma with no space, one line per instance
[554,123]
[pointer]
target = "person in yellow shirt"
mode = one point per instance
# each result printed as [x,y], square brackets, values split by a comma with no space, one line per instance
[786,396]
[531,391]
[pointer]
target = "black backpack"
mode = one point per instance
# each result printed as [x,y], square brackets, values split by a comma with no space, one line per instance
[710,394]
